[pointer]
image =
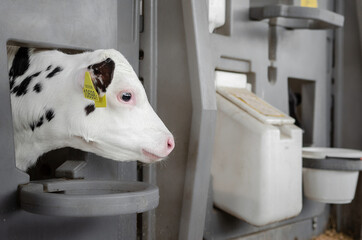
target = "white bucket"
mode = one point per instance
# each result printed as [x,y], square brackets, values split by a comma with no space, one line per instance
[329,186]
[336,186]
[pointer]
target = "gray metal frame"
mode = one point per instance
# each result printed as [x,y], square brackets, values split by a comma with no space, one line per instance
[242,46]
[338,88]
[148,72]
[203,119]
[71,25]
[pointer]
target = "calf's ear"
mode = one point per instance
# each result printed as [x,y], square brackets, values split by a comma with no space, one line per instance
[102,74]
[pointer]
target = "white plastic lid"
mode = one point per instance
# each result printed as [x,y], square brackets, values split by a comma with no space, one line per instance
[322,152]
[234,87]
[255,106]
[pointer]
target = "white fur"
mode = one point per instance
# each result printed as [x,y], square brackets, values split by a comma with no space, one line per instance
[119,131]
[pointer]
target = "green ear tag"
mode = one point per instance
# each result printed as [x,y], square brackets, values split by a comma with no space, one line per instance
[91,93]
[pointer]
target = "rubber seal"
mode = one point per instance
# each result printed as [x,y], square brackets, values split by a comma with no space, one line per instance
[339,164]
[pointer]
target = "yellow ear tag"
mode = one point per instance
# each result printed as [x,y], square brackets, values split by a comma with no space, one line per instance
[91,93]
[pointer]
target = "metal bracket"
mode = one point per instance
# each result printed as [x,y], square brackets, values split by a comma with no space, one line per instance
[71,169]
[295,17]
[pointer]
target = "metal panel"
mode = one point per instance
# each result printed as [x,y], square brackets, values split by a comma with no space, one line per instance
[148,73]
[348,111]
[203,120]
[186,52]
[174,108]
[247,41]
[79,25]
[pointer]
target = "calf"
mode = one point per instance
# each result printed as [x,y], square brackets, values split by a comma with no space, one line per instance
[51,111]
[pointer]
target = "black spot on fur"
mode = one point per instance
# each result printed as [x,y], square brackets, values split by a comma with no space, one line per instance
[49,67]
[55,71]
[49,115]
[103,74]
[89,108]
[32,126]
[37,124]
[20,65]
[22,88]
[12,83]
[37,88]
[36,74]
[40,122]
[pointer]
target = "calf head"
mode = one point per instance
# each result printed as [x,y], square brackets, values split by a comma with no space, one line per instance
[50,111]
[128,128]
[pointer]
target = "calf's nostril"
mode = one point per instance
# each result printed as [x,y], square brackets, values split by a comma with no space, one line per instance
[170,143]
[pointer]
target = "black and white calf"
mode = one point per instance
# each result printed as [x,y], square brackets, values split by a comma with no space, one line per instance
[50,111]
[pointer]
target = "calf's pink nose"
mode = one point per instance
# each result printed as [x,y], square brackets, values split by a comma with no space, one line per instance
[170,145]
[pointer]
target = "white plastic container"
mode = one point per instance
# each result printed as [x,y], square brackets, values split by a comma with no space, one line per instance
[257,167]
[330,186]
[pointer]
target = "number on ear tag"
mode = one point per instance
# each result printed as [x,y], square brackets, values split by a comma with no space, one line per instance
[91,93]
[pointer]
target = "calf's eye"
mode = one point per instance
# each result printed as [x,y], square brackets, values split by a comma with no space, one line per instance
[126,96]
